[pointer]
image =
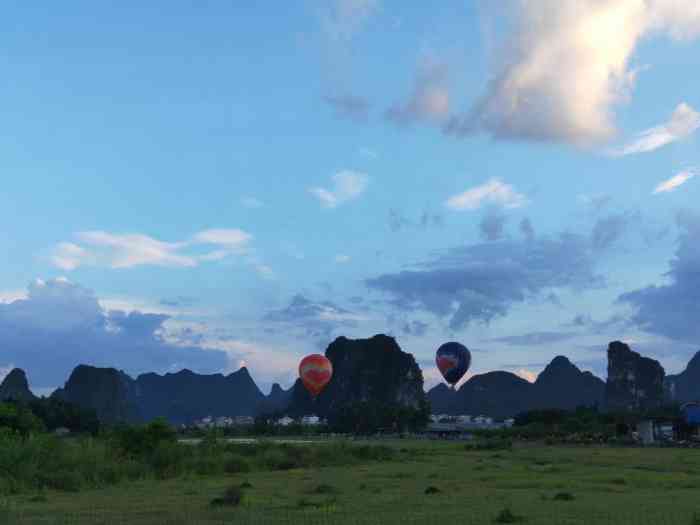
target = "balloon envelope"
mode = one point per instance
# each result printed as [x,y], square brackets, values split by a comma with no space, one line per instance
[453,360]
[315,371]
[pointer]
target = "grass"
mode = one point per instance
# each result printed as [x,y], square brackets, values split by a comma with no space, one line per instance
[528,484]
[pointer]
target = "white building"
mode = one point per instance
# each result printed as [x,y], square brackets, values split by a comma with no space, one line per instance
[464,419]
[285,421]
[310,420]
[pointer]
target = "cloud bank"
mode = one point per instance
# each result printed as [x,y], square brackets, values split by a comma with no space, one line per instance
[61,324]
[672,310]
[481,282]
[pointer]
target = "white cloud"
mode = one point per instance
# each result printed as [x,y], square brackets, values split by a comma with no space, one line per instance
[252,202]
[674,182]
[10,296]
[129,250]
[135,249]
[683,123]
[494,191]
[568,64]
[347,185]
[69,256]
[230,238]
[527,375]
[342,258]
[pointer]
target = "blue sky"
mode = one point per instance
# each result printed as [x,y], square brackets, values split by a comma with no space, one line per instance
[205,186]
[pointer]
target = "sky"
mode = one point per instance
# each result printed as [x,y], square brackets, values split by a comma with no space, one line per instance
[213,185]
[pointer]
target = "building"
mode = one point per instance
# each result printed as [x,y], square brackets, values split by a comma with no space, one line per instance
[243,420]
[310,420]
[483,420]
[463,419]
[285,421]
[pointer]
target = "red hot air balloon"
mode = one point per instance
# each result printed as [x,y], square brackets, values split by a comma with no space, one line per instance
[315,371]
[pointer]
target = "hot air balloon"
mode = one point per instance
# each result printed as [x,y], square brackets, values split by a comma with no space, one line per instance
[315,371]
[453,360]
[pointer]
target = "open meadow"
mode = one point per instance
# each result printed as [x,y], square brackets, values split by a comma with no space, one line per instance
[414,482]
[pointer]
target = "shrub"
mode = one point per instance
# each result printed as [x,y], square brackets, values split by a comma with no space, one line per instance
[506,516]
[167,459]
[563,496]
[279,459]
[235,464]
[232,497]
[324,489]
[432,490]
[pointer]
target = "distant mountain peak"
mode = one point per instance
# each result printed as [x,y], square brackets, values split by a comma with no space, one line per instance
[561,360]
[15,386]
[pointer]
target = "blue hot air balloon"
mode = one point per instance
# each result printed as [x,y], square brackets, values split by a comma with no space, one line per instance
[453,361]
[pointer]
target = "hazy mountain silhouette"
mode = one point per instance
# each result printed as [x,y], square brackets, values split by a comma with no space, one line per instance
[374,369]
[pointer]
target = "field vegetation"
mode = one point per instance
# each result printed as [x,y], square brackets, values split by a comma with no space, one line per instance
[143,475]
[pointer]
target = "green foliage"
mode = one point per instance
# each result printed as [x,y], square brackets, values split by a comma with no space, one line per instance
[55,413]
[38,461]
[141,441]
[18,418]
[232,497]
[369,417]
[494,443]
[563,496]
[507,516]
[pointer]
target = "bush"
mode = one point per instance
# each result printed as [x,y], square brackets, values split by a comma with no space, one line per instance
[235,464]
[232,497]
[563,496]
[167,459]
[279,459]
[324,489]
[506,516]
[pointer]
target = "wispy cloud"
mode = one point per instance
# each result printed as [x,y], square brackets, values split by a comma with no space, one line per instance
[674,182]
[340,259]
[494,191]
[135,249]
[683,123]
[430,100]
[347,185]
[534,338]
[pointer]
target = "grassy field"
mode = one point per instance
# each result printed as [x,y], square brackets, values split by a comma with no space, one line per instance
[432,482]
